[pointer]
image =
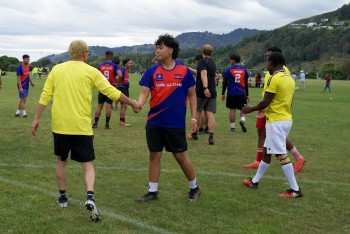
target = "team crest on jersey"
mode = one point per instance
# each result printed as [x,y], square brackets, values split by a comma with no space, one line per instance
[159,77]
[177,76]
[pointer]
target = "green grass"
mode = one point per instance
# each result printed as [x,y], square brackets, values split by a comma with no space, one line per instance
[320,132]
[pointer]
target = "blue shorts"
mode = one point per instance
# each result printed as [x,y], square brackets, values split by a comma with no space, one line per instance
[24,94]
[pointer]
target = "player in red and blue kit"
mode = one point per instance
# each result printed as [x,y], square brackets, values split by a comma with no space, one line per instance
[23,80]
[124,88]
[170,83]
[236,80]
[110,70]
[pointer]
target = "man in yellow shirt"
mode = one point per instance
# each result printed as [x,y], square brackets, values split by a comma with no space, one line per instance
[260,126]
[278,98]
[34,72]
[71,85]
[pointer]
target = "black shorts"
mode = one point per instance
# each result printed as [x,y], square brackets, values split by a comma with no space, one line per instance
[103,98]
[81,147]
[124,90]
[236,102]
[173,139]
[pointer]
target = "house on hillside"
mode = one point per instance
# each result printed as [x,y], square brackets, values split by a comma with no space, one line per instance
[311,24]
[294,26]
[339,23]
[324,20]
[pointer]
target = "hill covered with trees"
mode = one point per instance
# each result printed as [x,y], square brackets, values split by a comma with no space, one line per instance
[319,44]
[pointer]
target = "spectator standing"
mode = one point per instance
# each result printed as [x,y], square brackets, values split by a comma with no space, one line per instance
[302,79]
[328,79]
[35,72]
[258,80]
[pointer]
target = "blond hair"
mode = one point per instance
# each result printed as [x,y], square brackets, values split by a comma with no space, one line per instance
[207,49]
[77,48]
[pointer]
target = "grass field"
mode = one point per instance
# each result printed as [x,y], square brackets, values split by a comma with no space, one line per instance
[320,132]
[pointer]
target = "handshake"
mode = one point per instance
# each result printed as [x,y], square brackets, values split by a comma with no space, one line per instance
[136,106]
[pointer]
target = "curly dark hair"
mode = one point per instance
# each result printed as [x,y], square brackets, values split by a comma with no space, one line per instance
[274,49]
[170,42]
[276,58]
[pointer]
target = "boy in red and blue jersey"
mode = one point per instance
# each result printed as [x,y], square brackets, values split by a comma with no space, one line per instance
[236,80]
[170,83]
[110,70]
[23,80]
[124,88]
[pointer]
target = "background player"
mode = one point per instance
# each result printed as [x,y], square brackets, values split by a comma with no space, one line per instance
[236,80]
[124,88]
[23,80]
[260,126]
[278,98]
[109,70]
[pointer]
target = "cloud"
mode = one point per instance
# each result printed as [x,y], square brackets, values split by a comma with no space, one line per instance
[41,27]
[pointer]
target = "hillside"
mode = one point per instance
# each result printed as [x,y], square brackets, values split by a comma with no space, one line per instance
[192,40]
[189,40]
[313,44]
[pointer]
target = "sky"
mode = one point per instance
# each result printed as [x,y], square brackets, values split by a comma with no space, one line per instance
[44,27]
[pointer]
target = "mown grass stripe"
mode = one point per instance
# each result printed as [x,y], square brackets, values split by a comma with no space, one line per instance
[104,211]
[224,174]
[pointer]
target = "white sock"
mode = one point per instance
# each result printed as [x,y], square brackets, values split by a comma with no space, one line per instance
[261,170]
[243,118]
[232,125]
[288,171]
[18,111]
[153,187]
[193,183]
[24,112]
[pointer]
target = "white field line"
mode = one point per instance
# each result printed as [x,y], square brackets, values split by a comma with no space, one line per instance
[104,211]
[223,174]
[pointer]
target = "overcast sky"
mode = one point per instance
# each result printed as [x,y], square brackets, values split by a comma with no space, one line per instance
[44,27]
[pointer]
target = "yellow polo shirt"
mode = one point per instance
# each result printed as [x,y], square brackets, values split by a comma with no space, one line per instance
[283,86]
[71,85]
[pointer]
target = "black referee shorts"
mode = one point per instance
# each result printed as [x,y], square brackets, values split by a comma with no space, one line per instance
[81,147]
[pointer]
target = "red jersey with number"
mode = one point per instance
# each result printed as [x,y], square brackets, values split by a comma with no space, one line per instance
[109,70]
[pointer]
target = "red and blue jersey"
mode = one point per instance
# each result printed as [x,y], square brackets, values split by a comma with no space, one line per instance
[109,70]
[168,95]
[125,78]
[23,72]
[237,80]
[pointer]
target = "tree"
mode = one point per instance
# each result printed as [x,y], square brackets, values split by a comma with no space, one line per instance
[44,62]
[6,62]
[344,12]
[345,68]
